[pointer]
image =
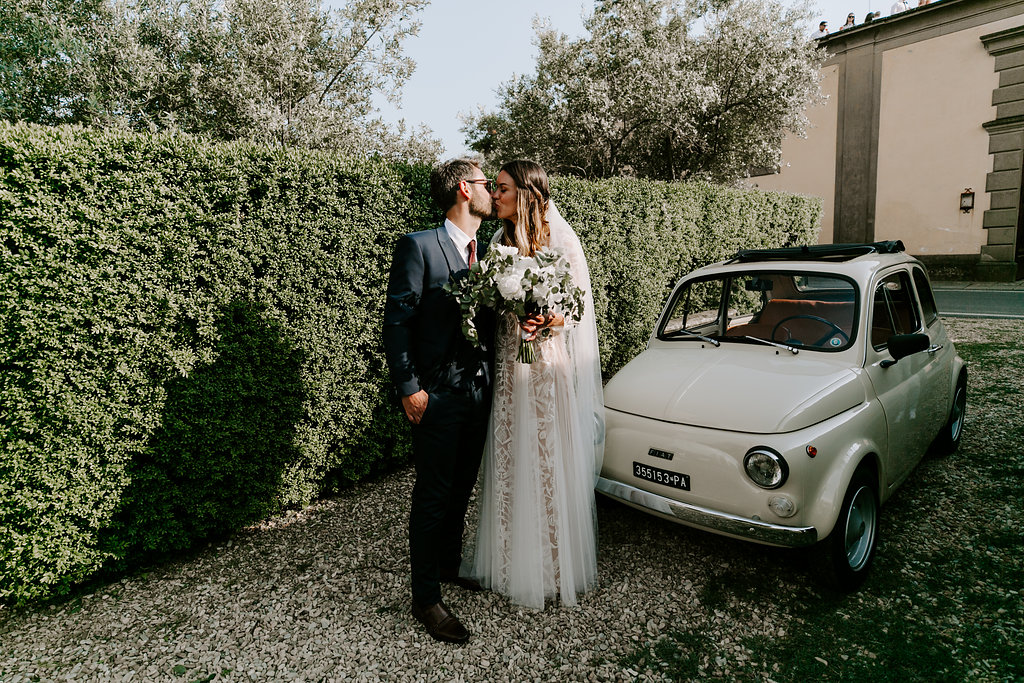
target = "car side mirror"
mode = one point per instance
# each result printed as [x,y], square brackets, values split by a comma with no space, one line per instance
[903,345]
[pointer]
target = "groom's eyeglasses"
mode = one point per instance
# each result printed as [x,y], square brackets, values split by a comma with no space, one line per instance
[488,184]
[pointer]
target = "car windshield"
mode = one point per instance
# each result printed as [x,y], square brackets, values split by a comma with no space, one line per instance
[815,311]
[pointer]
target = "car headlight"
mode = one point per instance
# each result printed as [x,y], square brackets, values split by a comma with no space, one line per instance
[765,467]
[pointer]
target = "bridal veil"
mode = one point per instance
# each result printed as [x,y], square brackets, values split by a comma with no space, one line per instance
[537,533]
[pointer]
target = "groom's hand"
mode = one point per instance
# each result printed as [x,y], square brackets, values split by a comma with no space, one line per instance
[414,406]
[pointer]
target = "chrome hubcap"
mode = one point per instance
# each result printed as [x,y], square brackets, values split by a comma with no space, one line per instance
[959,406]
[860,528]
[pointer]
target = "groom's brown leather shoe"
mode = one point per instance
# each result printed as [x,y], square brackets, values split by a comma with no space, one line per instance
[466,582]
[441,624]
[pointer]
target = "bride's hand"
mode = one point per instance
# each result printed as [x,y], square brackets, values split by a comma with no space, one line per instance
[531,324]
[536,323]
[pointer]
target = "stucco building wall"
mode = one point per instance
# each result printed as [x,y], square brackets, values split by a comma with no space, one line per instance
[921,106]
[803,159]
[935,94]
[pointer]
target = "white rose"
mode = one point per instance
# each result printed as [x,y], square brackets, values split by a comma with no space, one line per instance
[541,292]
[526,263]
[505,250]
[510,286]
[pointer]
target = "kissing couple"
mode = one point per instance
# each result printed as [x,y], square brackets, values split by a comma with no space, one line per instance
[535,426]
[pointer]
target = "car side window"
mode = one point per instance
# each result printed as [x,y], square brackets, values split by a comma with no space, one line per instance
[893,310]
[924,293]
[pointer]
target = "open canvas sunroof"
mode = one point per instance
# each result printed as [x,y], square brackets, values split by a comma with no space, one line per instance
[819,252]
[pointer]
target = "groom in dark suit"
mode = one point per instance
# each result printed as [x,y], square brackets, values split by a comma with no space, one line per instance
[444,382]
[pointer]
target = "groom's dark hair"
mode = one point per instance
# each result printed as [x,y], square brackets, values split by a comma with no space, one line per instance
[445,179]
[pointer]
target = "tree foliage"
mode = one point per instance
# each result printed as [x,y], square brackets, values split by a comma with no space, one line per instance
[281,71]
[43,45]
[660,88]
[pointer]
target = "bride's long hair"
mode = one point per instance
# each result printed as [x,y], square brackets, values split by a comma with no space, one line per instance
[530,231]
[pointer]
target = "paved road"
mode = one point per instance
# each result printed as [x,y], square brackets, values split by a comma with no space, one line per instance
[980,299]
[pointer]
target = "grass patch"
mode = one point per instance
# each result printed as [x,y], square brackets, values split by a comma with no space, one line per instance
[677,656]
[976,352]
[855,642]
[1005,537]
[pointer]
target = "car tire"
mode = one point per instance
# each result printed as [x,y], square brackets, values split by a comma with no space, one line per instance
[851,545]
[948,440]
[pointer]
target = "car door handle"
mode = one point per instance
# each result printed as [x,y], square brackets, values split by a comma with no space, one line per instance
[933,348]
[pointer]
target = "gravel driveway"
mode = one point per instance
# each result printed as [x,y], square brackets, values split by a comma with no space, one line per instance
[322,595]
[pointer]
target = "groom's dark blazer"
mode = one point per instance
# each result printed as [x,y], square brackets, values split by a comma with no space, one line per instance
[426,349]
[423,339]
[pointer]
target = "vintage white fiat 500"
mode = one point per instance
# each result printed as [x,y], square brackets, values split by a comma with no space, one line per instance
[783,397]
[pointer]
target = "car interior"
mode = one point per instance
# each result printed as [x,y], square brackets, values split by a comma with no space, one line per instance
[801,309]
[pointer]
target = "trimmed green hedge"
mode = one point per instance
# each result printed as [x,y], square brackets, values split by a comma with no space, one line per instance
[189,331]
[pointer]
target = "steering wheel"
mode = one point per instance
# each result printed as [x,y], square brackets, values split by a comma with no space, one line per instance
[821,341]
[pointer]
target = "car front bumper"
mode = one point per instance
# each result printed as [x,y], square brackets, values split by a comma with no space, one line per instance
[712,520]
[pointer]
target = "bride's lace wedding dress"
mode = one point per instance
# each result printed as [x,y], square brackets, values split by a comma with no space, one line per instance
[538,525]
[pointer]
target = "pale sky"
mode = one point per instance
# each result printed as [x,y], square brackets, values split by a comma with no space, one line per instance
[466,48]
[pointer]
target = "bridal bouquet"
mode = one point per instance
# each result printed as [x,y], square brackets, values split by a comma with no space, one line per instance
[524,285]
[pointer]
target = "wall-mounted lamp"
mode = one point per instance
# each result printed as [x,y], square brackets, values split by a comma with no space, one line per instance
[967,200]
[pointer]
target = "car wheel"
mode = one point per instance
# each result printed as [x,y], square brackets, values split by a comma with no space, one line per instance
[851,545]
[948,439]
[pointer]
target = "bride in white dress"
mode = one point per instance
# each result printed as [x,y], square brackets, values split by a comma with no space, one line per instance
[538,524]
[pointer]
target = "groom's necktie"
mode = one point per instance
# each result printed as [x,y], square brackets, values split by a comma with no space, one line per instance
[472,252]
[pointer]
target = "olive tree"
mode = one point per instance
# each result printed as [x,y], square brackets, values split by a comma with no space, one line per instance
[44,45]
[284,71]
[661,89]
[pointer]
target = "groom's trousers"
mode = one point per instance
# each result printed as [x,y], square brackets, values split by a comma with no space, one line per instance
[447,446]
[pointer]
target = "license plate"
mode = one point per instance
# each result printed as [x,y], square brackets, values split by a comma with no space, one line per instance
[660,476]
